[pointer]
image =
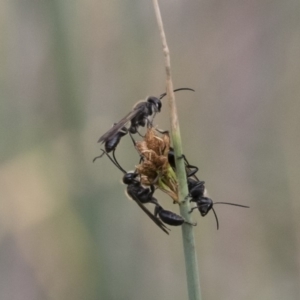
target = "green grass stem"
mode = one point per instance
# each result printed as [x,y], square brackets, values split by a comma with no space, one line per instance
[193,282]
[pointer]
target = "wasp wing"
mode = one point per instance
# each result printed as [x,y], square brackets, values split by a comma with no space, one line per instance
[116,128]
[157,221]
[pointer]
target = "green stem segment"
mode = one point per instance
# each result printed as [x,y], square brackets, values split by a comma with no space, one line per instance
[191,264]
[189,245]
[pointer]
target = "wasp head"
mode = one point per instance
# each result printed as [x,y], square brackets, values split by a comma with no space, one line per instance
[205,205]
[155,103]
[129,178]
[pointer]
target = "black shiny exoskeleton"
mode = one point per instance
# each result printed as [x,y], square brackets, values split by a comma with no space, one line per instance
[112,142]
[138,116]
[138,193]
[169,217]
[196,188]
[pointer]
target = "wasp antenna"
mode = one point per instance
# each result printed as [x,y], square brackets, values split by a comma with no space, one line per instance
[232,204]
[162,95]
[98,157]
[133,140]
[115,163]
[139,134]
[180,89]
[184,89]
[216,218]
[162,131]
[134,143]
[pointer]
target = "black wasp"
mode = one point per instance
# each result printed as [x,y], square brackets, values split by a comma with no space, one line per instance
[197,189]
[138,193]
[138,116]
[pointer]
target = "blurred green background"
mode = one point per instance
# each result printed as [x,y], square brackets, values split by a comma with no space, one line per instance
[69,69]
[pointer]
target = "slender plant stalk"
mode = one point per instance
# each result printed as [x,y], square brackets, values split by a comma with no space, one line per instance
[191,264]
